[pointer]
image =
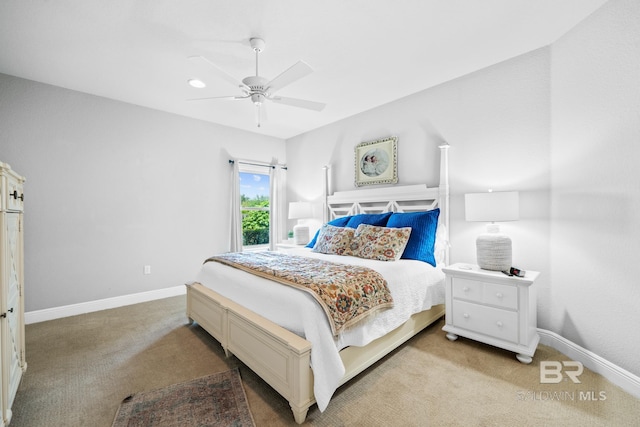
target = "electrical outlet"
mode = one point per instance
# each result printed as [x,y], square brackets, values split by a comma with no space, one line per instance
[147,269]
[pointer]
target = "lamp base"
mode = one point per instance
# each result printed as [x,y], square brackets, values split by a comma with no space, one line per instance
[300,234]
[493,251]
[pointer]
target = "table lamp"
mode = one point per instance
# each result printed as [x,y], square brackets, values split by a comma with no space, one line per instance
[300,211]
[493,249]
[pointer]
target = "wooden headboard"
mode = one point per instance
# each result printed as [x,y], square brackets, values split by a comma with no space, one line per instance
[398,198]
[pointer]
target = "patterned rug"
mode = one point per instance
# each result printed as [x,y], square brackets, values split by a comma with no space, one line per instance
[214,401]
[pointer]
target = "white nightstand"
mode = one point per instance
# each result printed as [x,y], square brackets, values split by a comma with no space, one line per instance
[285,246]
[493,308]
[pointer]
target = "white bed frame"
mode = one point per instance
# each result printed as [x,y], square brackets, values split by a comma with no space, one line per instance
[282,358]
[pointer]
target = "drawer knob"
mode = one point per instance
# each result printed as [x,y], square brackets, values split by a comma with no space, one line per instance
[466,315]
[499,323]
[465,289]
[15,195]
[499,295]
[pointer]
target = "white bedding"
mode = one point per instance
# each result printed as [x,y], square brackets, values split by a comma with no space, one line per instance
[414,285]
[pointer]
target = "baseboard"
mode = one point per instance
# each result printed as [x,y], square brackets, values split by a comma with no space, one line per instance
[103,304]
[617,375]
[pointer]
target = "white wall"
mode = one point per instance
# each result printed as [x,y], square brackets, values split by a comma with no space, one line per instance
[112,187]
[595,178]
[562,126]
[497,123]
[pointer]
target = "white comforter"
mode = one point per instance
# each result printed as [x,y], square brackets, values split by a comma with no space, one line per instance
[414,285]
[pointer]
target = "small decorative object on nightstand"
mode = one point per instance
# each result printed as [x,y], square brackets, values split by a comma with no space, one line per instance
[300,211]
[493,249]
[493,308]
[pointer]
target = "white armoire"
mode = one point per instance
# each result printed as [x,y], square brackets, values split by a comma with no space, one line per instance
[12,359]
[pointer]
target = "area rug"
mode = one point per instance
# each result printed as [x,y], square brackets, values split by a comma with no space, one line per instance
[214,401]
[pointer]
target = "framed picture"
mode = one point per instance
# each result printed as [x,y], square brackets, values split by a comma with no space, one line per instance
[376,162]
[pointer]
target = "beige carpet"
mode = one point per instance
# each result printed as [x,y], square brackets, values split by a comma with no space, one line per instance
[80,368]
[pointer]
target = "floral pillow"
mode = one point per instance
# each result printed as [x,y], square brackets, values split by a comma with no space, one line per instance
[379,243]
[333,240]
[338,222]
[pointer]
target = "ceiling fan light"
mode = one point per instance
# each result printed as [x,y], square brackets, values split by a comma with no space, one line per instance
[257,98]
[199,84]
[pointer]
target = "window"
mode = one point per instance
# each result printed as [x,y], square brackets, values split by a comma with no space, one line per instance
[254,202]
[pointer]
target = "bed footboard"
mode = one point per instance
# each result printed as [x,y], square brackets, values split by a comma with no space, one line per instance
[278,356]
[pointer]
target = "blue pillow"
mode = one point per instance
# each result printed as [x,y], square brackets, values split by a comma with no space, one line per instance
[338,222]
[379,220]
[423,233]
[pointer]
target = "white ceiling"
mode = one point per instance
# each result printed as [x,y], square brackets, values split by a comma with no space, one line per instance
[365,53]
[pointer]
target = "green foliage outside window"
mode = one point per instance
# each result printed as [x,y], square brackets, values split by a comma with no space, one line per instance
[255,220]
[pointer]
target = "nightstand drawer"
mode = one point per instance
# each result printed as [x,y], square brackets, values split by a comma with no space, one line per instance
[470,290]
[500,295]
[490,321]
[486,293]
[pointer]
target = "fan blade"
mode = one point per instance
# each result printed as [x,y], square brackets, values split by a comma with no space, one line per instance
[233,98]
[220,72]
[302,103]
[290,75]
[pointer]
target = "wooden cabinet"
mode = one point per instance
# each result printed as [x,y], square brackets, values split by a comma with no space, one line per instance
[12,357]
[493,308]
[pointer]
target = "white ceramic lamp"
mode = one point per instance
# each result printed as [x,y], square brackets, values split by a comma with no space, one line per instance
[300,211]
[493,249]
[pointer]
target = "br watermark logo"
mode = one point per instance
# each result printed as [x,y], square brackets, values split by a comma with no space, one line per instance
[554,372]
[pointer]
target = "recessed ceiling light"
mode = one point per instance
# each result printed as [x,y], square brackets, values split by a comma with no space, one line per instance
[196,83]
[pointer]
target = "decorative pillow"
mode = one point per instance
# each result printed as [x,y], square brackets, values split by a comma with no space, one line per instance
[380,243]
[333,240]
[423,233]
[338,222]
[371,219]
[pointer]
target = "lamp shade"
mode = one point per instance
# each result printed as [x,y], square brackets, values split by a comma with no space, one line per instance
[300,210]
[492,206]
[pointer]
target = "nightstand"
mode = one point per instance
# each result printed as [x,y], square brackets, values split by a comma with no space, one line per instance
[493,308]
[285,246]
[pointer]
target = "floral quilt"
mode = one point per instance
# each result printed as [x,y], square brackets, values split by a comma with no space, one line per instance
[346,293]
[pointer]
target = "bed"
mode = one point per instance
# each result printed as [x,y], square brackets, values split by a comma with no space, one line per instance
[276,342]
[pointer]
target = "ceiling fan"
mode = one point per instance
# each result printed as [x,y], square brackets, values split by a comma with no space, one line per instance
[259,89]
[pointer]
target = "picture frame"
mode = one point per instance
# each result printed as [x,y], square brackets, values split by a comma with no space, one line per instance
[376,162]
